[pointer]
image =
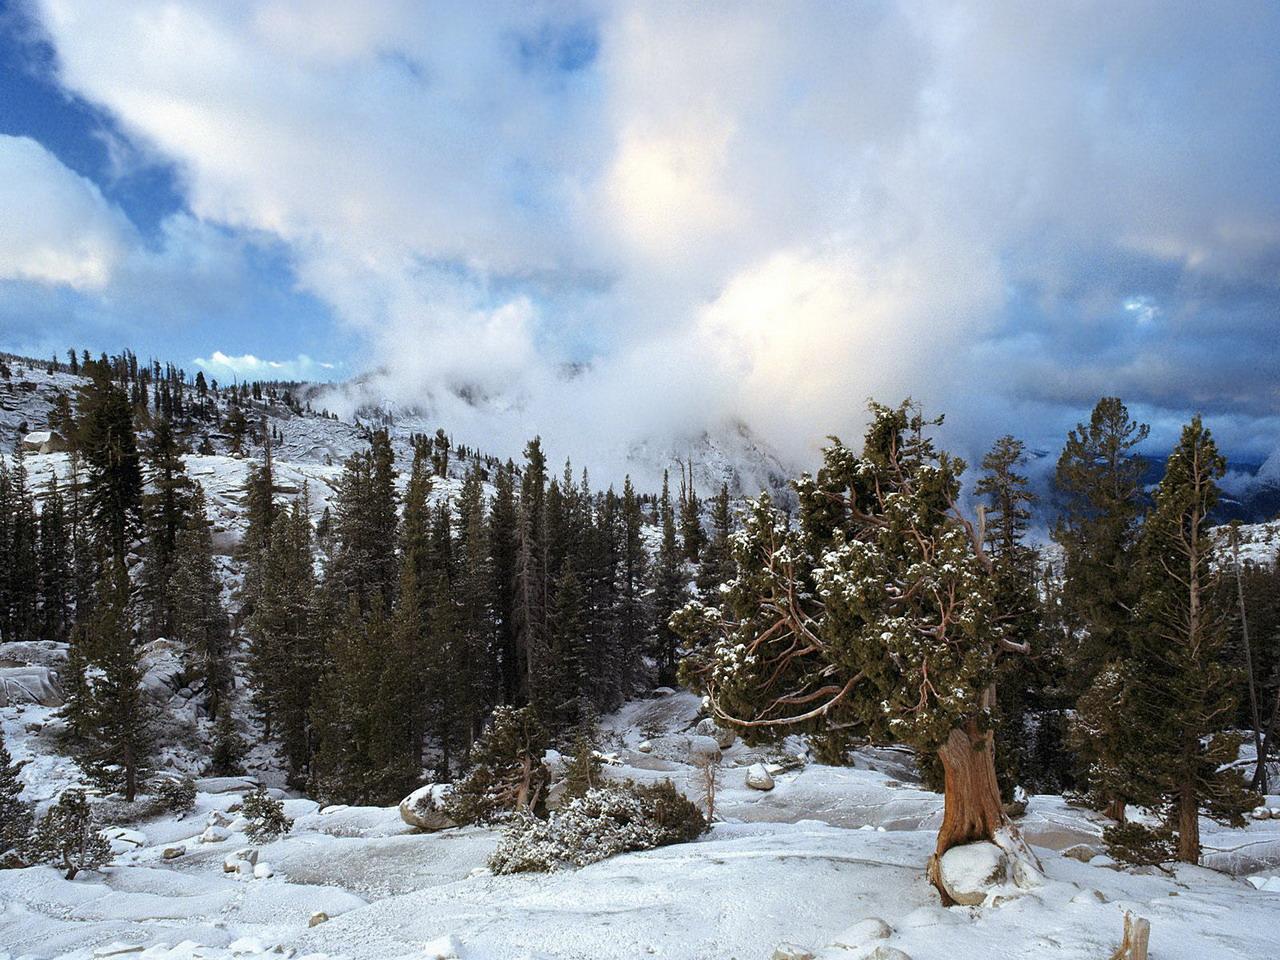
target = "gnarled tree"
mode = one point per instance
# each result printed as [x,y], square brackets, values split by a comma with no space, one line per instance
[873,613]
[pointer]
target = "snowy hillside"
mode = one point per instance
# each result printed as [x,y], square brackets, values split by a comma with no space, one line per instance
[804,863]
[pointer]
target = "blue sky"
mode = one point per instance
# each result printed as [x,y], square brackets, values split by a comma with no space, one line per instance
[710,213]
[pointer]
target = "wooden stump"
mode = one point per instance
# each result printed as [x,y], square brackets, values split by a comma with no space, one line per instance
[1137,931]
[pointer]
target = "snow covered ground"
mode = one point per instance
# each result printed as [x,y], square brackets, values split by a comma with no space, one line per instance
[826,848]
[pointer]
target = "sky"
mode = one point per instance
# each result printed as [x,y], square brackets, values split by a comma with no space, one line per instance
[613,222]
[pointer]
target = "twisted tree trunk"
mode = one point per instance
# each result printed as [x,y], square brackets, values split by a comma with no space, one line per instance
[972,809]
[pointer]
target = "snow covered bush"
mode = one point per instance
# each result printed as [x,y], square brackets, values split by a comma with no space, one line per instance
[175,795]
[603,822]
[266,817]
[67,836]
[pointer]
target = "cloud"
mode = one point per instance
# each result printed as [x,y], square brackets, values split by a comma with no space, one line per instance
[58,228]
[739,211]
[248,367]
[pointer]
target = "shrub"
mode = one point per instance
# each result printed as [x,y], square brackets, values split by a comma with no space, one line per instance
[508,776]
[266,817]
[1134,843]
[175,795]
[67,836]
[605,821]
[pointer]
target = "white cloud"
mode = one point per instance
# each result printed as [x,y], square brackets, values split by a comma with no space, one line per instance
[58,228]
[743,209]
[248,367]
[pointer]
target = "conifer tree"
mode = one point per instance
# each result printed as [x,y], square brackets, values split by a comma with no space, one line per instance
[874,614]
[15,813]
[199,619]
[115,719]
[503,521]
[692,537]
[285,654]
[68,836]
[668,588]
[19,553]
[633,616]
[228,748]
[717,559]
[110,451]
[165,509]
[1101,480]
[531,587]
[1184,693]
[56,545]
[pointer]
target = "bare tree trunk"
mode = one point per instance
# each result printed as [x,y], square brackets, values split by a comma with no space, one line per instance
[1115,810]
[1259,781]
[1188,825]
[972,809]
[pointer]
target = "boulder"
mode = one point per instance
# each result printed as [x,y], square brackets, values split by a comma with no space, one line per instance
[173,853]
[1082,852]
[30,684]
[758,777]
[218,819]
[723,736]
[645,746]
[226,784]
[862,934]
[262,870]
[43,441]
[213,835]
[886,952]
[317,918]
[124,840]
[424,808]
[703,751]
[1261,813]
[443,948]
[790,951]
[969,872]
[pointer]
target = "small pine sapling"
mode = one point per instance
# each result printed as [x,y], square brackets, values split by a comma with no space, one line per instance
[67,836]
[266,817]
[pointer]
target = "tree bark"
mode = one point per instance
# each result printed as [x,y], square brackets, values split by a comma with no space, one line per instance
[972,809]
[1115,810]
[1188,825]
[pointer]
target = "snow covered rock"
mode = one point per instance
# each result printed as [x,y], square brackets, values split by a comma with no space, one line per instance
[789,951]
[261,871]
[443,948]
[862,934]
[723,736]
[424,808]
[645,746]
[124,840]
[703,750]
[173,853]
[43,441]
[317,918]
[969,872]
[245,855]
[886,952]
[758,777]
[214,834]
[226,784]
[30,684]
[1260,813]
[1082,852]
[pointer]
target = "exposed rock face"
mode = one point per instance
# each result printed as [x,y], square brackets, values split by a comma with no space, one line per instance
[969,872]
[30,684]
[758,778]
[723,736]
[424,808]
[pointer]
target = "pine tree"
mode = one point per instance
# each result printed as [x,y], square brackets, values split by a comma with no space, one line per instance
[1184,693]
[365,525]
[165,509]
[68,836]
[110,450]
[717,559]
[56,546]
[199,619]
[531,586]
[285,654]
[633,616]
[692,537]
[15,813]
[503,521]
[874,614]
[228,748]
[668,588]
[115,718]
[19,553]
